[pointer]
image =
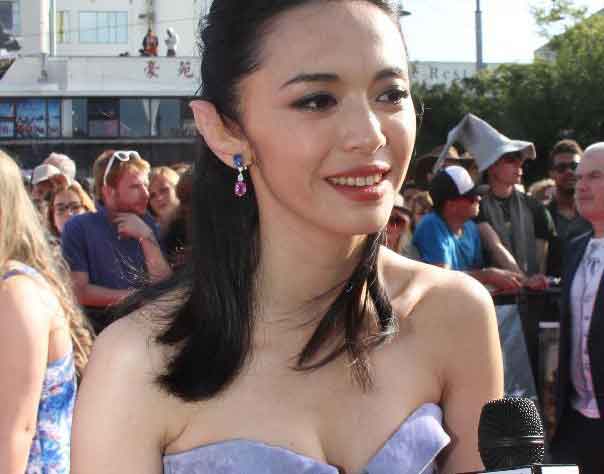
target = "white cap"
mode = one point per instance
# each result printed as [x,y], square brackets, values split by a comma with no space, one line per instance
[63,163]
[43,173]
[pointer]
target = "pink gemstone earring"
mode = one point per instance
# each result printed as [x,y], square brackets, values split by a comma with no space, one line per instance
[240,186]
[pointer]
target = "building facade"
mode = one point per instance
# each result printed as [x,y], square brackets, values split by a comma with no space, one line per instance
[83,86]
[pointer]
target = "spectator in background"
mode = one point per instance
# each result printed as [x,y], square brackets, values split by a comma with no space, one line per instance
[163,201]
[171,41]
[56,170]
[177,239]
[65,203]
[563,161]
[150,44]
[115,250]
[42,186]
[515,228]
[65,165]
[579,401]
[424,167]
[44,341]
[398,229]
[543,190]
[420,205]
[449,238]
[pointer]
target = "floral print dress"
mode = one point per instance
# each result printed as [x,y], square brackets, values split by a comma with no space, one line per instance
[49,452]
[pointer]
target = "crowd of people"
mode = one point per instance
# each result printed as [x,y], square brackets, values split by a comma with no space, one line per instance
[246,316]
[472,214]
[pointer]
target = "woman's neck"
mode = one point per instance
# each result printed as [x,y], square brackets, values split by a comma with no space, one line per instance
[298,264]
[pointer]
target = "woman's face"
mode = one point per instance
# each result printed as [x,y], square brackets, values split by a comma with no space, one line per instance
[66,204]
[162,196]
[329,118]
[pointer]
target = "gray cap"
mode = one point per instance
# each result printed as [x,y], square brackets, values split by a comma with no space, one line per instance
[484,143]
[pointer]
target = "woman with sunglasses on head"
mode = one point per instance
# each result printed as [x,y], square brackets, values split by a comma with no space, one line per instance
[65,203]
[294,341]
[44,342]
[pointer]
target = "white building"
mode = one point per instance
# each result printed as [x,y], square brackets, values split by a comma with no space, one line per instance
[83,87]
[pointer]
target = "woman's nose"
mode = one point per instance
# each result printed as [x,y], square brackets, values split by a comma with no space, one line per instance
[363,130]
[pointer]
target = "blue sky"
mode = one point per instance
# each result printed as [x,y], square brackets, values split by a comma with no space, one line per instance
[443,30]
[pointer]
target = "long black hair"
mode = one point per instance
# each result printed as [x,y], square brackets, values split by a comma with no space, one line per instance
[210,331]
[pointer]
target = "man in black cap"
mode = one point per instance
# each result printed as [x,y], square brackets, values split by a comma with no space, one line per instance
[448,237]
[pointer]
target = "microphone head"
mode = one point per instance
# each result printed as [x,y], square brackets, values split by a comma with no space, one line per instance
[510,434]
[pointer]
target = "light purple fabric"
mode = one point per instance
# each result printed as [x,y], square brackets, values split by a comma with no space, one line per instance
[410,450]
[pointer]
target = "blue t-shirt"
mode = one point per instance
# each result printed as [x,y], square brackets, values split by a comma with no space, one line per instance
[90,244]
[438,245]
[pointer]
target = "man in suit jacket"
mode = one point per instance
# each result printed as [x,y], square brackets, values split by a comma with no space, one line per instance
[580,398]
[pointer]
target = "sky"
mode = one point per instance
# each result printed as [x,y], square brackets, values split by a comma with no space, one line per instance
[443,30]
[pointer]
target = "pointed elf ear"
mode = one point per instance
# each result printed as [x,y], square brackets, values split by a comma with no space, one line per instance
[221,139]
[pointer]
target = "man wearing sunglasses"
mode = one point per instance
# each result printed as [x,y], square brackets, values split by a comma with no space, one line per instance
[115,250]
[564,159]
[448,237]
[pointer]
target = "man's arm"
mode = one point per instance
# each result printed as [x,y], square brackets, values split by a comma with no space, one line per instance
[158,267]
[132,226]
[500,255]
[95,296]
[500,279]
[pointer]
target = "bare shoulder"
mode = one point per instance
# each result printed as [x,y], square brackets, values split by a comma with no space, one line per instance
[41,302]
[451,319]
[120,404]
[445,295]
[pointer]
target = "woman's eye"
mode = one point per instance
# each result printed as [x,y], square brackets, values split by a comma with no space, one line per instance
[394,96]
[316,102]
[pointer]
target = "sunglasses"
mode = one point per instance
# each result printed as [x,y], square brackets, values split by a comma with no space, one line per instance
[563,167]
[121,155]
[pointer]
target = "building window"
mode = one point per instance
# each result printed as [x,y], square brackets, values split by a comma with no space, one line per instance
[135,118]
[7,119]
[10,16]
[103,117]
[30,119]
[79,117]
[63,27]
[104,27]
[189,129]
[54,118]
[166,116]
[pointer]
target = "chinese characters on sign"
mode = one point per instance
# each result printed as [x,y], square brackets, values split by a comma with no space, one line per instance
[184,70]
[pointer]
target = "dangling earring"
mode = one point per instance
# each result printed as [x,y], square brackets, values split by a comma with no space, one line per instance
[240,186]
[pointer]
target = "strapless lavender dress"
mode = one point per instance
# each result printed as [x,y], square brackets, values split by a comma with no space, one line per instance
[412,449]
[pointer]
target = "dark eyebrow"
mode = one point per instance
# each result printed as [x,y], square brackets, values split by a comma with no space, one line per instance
[318,77]
[393,72]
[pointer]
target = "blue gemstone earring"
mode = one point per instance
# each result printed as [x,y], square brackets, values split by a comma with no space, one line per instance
[240,186]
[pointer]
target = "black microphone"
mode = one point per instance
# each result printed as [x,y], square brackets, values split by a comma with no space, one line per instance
[511,439]
[510,433]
